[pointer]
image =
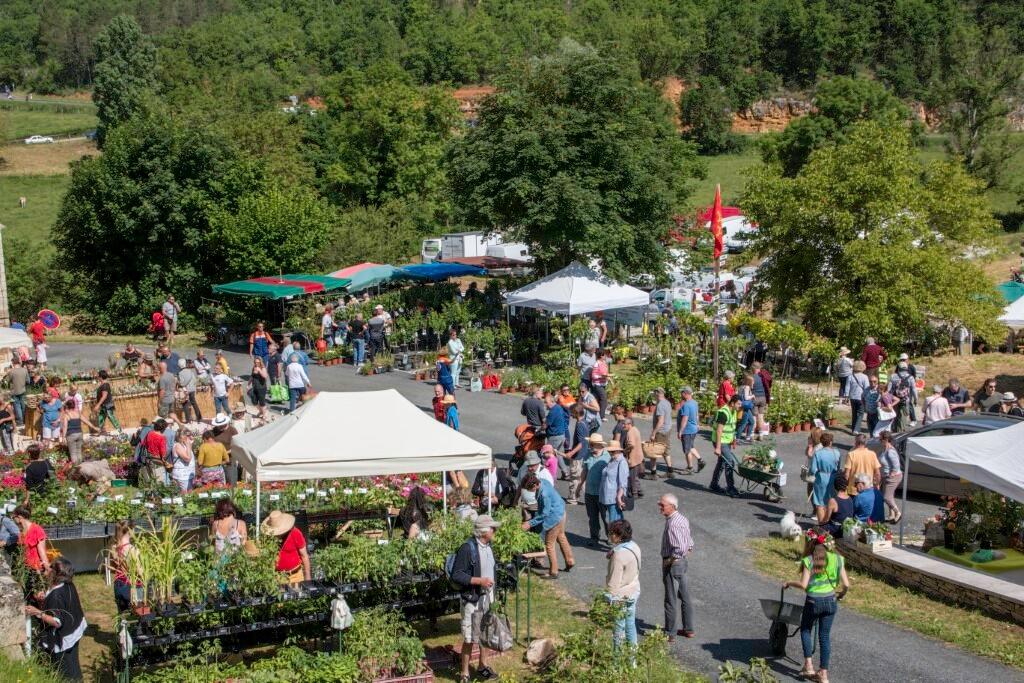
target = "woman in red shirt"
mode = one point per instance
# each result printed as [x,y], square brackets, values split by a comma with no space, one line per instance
[33,539]
[726,389]
[293,559]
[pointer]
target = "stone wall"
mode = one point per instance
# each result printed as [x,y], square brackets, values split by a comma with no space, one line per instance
[12,614]
[887,565]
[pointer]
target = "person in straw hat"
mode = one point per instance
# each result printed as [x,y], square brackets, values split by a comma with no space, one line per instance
[844,370]
[293,558]
[473,572]
[614,481]
[595,465]
[528,499]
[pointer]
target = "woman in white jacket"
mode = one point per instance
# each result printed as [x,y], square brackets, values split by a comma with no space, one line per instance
[623,581]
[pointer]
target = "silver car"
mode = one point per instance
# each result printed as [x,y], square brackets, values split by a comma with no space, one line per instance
[927,479]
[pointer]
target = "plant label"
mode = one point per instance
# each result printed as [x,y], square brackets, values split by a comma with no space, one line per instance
[165,501]
[101,499]
[72,504]
[347,492]
[178,500]
[52,510]
[150,506]
[332,490]
[382,541]
[119,497]
[217,494]
[203,494]
[275,496]
[246,492]
[301,496]
[135,501]
[363,489]
[71,489]
[310,491]
[321,494]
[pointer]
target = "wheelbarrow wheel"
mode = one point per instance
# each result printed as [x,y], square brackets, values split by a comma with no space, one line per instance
[777,636]
[771,495]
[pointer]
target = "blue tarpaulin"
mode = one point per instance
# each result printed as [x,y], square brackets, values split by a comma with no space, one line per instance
[440,271]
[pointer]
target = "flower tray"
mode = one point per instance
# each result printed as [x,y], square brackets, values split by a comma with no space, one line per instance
[875,546]
[65,532]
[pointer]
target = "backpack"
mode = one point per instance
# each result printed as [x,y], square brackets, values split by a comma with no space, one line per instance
[449,564]
[901,386]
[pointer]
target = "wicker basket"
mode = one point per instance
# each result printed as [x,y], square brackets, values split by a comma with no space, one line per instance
[654,449]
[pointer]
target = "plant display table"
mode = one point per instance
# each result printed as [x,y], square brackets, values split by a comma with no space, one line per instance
[1013,561]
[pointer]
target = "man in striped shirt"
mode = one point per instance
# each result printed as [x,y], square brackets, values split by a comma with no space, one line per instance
[676,545]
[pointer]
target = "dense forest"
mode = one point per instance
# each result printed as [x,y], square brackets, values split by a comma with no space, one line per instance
[203,178]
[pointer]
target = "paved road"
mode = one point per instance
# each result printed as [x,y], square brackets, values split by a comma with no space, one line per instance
[730,625]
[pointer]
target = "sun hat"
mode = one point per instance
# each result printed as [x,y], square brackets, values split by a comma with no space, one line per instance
[547,448]
[596,439]
[842,350]
[613,446]
[485,522]
[1009,396]
[532,458]
[448,399]
[182,362]
[277,523]
[687,390]
[904,356]
[220,420]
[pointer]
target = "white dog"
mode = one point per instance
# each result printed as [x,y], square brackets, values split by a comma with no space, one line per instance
[788,528]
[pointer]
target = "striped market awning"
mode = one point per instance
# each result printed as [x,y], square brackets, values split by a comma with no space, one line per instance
[282,286]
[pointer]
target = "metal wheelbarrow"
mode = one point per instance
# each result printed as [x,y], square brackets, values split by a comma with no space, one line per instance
[782,614]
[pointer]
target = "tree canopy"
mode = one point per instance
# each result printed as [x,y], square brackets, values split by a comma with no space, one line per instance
[125,66]
[577,158]
[864,240]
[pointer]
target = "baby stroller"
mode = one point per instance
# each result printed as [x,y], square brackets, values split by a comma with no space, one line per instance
[528,440]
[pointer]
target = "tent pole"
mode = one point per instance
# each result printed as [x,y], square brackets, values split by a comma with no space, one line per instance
[906,478]
[257,507]
[444,490]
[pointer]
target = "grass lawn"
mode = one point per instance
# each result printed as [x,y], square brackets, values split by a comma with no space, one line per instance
[967,629]
[22,119]
[1007,368]
[27,160]
[44,195]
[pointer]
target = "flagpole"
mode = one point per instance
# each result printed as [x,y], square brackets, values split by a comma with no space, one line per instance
[716,229]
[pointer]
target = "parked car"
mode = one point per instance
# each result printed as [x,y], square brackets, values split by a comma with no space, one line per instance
[925,478]
[38,140]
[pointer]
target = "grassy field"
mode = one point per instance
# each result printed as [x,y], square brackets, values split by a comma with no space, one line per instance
[972,371]
[967,629]
[44,195]
[22,119]
[24,160]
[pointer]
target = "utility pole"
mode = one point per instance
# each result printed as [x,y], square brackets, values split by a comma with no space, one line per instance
[5,312]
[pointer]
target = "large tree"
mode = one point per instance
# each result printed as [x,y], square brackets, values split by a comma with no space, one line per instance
[838,104]
[125,72]
[867,241]
[136,225]
[578,158]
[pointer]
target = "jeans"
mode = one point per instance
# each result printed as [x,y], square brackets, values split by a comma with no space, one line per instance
[293,398]
[677,596]
[726,462]
[19,408]
[122,595]
[844,386]
[601,394]
[745,428]
[596,516]
[221,405]
[821,611]
[856,414]
[626,626]
[191,405]
[872,422]
[558,442]
[358,351]
[612,513]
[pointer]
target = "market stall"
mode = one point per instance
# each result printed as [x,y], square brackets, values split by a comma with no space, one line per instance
[11,338]
[435,272]
[363,276]
[282,286]
[576,290]
[355,434]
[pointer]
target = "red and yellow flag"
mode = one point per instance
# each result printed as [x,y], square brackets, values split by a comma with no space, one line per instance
[716,223]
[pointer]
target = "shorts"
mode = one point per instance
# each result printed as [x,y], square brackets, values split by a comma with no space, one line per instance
[662,437]
[40,353]
[164,409]
[760,405]
[688,441]
[170,325]
[51,431]
[472,613]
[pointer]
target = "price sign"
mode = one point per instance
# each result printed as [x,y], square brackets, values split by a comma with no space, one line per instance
[246,492]
[52,510]
[101,499]
[178,500]
[119,497]
[150,506]
[347,492]
[203,494]
[275,496]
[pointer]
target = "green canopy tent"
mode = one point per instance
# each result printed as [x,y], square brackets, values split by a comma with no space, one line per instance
[1011,290]
[282,286]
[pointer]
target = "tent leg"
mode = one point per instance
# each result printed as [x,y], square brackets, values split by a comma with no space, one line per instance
[257,508]
[444,490]
[906,478]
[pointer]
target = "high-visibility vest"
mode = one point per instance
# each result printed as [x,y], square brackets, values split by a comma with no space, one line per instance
[729,428]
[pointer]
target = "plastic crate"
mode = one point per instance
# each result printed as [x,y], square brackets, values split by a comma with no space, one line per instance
[426,677]
[64,532]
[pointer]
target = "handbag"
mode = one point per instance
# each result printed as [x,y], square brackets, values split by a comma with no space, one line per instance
[278,393]
[495,632]
[884,414]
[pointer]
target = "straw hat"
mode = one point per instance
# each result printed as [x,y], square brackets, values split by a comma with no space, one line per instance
[596,439]
[843,350]
[277,523]
[448,399]
[220,420]
[614,447]
[532,459]
[485,522]
[1008,397]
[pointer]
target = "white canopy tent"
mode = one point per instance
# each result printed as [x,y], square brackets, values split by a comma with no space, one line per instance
[990,459]
[355,434]
[576,290]
[12,337]
[1013,315]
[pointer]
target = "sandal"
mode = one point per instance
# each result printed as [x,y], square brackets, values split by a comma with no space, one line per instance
[809,674]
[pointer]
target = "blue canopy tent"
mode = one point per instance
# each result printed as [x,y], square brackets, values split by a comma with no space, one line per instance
[435,272]
[1011,290]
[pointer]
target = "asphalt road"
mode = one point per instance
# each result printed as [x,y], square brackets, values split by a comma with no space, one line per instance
[725,586]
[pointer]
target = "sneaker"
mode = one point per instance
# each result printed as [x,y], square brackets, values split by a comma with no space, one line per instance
[687,472]
[700,465]
[715,488]
[733,493]
[486,673]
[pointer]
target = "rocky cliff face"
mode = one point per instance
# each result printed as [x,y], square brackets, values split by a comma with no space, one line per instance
[770,115]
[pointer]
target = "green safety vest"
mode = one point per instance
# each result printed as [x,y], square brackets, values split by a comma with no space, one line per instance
[729,428]
[827,581]
[883,379]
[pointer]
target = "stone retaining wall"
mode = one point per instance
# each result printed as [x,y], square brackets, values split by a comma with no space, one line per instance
[895,567]
[12,614]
